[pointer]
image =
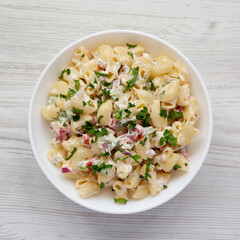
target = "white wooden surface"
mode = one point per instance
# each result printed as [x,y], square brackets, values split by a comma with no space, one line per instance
[32,32]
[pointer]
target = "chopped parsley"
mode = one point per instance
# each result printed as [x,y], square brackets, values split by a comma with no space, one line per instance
[106,84]
[83,55]
[91,85]
[174,115]
[68,71]
[176,167]
[130,124]
[150,85]
[167,82]
[186,164]
[134,157]
[105,154]
[99,103]
[131,82]
[64,124]
[164,186]
[94,130]
[146,120]
[130,45]
[84,103]
[77,84]
[120,200]
[72,153]
[89,102]
[99,119]
[98,74]
[106,93]
[70,93]
[128,113]
[99,168]
[163,113]
[141,115]
[130,105]
[154,135]
[168,138]
[118,115]
[102,185]
[143,142]
[76,118]
[79,111]
[130,54]
[95,81]
[120,149]
[161,94]
[63,96]
[147,171]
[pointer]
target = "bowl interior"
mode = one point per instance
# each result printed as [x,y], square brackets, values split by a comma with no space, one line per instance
[40,135]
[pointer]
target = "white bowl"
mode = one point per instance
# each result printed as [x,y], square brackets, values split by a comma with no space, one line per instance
[40,136]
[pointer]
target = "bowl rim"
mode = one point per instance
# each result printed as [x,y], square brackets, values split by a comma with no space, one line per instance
[157,203]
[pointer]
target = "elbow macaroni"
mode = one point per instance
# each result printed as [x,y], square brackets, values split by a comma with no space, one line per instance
[121,118]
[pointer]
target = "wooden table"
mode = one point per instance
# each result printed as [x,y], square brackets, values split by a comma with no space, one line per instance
[32,32]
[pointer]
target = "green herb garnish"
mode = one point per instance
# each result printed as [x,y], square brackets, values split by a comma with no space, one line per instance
[91,85]
[154,135]
[176,167]
[76,118]
[128,113]
[68,71]
[79,111]
[141,115]
[94,130]
[120,200]
[105,154]
[99,168]
[186,164]
[99,103]
[84,103]
[130,105]
[118,115]
[83,55]
[132,81]
[95,81]
[130,124]
[77,84]
[147,171]
[130,54]
[72,153]
[99,119]
[63,96]
[167,82]
[174,115]
[106,93]
[70,93]
[164,186]
[163,113]
[130,45]
[98,74]
[143,142]
[161,94]
[102,185]
[120,149]
[106,84]
[168,138]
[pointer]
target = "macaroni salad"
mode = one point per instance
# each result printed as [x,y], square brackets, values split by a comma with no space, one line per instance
[121,118]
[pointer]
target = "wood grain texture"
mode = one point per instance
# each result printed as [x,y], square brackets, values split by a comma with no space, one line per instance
[32,32]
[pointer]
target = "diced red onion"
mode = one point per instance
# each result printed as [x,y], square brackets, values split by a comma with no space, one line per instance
[65,170]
